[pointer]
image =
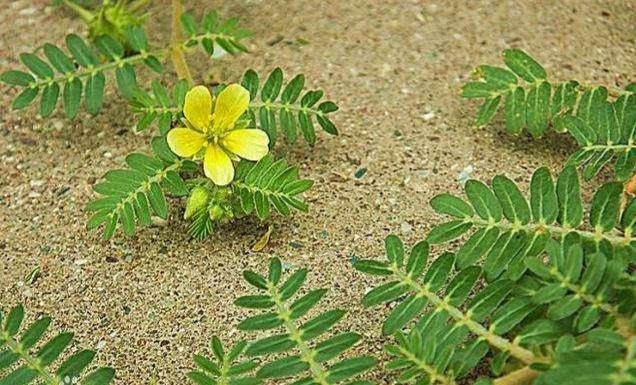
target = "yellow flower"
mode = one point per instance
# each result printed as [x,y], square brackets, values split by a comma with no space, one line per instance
[212,132]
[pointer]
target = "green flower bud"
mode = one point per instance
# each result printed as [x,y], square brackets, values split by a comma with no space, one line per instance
[216,212]
[199,198]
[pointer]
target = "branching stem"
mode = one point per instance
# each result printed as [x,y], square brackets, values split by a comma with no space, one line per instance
[501,343]
[580,291]
[614,238]
[145,187]
[82,12]
[90,71]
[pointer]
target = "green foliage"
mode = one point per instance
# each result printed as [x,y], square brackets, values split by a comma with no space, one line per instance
[132,196]
[530,105]
[110,18]
[258,188]
[563,321]
[80,71]
[506,229]
[212,31]
[605,130]
[606,358]
[158,105]
[566,289]
[283,107]
[291,344]
[114,19]
[223,368]
[18,350]
[446,342]
[274,109]
[269,184]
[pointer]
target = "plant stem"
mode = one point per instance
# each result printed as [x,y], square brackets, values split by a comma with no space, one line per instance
[522,354]
[176,46]
[318,373]
[522,376]
[82,12]
[614,237]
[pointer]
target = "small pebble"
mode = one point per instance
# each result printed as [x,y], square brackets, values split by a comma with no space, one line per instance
[465,174]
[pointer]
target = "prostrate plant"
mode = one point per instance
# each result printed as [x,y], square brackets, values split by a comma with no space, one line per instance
[223,368]
[505,228]
[561,325]
[225,137]
[83,69]
[217,139]
[21,363]
[604,129]
[295,353]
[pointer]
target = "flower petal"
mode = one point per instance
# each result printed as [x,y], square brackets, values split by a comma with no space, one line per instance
[218,166]
[250,144]
[198,107]
[184,141]
[231,103]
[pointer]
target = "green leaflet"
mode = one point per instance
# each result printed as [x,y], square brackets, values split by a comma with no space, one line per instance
[514,205]
[523,65]
[451,205]
[483,200]
[516,110]
[19,349]
[569,195]
[538,109]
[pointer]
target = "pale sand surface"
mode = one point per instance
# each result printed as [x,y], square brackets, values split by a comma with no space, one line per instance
[395,67]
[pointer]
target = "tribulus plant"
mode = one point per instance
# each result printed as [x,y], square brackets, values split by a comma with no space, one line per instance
[568,319]
[212,146]
[604,127]
[22,363]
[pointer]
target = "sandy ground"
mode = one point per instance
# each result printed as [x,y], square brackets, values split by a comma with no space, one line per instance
[394,66]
